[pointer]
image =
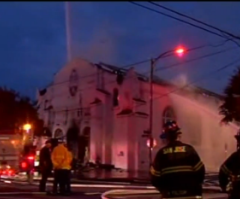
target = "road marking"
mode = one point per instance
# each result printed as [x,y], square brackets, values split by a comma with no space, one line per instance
[93,193]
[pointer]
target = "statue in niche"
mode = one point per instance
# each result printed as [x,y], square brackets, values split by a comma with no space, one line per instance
[73,83]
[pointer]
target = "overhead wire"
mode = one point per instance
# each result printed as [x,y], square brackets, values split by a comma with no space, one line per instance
[194,59]
[146,60]
[196,20]
[181,20]
[167,15]
[200,79]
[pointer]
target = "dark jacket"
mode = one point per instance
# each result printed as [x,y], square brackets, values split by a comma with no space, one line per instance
[178,171]
[45,161]
[230,168]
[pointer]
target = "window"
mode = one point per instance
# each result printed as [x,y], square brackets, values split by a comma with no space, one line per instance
[79,112]
[46,104]
[115,97]
[168,114]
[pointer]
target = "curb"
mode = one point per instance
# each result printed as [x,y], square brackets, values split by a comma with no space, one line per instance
[90,181]
[21,193]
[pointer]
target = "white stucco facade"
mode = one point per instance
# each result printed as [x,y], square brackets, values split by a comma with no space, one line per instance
[84,92]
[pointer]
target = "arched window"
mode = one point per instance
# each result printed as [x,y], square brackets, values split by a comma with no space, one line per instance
[168,114]
[115,97]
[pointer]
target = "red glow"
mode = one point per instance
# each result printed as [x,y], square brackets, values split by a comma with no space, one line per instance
[180,51]
[30,158]
[154,143]
[10,172]
[24,165]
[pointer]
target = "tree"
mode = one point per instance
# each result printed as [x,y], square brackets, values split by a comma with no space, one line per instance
[17,110]
[230,109]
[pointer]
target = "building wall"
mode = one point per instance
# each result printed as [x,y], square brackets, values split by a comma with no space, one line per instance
[116,137]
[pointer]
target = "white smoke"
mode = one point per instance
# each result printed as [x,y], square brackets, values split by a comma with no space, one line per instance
[181,80]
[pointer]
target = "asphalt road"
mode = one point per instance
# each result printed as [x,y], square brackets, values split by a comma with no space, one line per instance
[13,191]
[211,179]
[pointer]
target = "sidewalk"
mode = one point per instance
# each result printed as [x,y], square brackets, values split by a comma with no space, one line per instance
[118,175]
[113,175]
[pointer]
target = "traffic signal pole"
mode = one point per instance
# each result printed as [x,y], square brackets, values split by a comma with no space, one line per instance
[151,110]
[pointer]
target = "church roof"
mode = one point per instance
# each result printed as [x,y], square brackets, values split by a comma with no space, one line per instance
[159,81]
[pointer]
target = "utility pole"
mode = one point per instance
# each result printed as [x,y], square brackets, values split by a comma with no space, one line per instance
[149,133]
[151,110]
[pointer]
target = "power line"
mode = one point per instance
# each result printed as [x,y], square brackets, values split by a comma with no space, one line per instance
[200,79]
[196,20]
[146,60]
[178,19]
[195,59]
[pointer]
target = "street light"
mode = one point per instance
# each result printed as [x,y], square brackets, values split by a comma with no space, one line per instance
[179,52]
[27,127]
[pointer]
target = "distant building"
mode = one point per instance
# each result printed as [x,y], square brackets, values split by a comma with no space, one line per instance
[105,108]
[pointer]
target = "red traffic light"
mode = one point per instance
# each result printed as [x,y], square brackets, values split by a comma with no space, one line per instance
[180,51]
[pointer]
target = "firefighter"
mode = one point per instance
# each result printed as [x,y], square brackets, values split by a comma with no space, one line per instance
[45,164]
[60,160]
[177,170]
[229,173]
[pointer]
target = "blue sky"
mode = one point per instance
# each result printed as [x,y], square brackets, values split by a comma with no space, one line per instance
[33,39]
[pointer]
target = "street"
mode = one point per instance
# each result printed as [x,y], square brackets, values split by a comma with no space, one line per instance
[10,190]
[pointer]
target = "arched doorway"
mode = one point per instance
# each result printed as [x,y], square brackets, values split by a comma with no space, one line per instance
[168,114]
[58,133]
[72,138]
[84,143]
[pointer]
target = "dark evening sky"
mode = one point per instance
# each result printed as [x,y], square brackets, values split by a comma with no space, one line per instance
[33,40]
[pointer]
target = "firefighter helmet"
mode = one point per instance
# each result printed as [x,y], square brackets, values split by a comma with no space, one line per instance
[170,127]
